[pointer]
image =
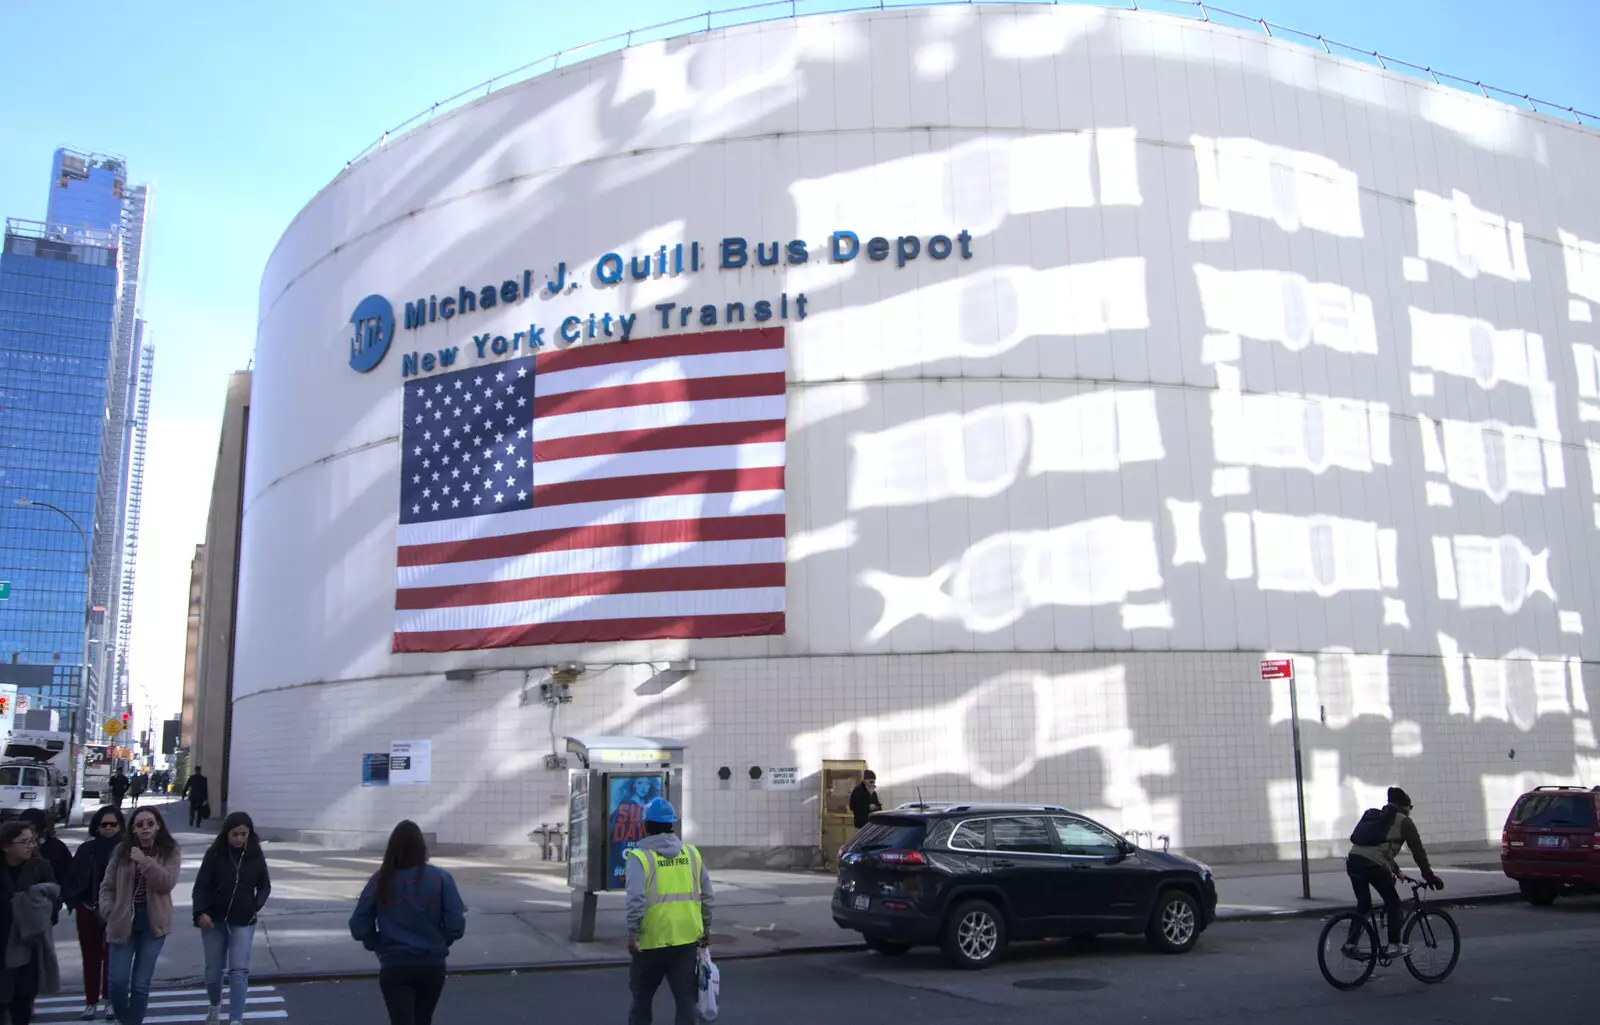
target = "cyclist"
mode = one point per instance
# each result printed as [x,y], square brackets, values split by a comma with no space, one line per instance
[1372,866]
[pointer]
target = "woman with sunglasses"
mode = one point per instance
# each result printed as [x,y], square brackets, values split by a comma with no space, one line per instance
[28,892]
[136,905]
[82,895]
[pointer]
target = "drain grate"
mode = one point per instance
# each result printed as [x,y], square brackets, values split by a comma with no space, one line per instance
[1061,984]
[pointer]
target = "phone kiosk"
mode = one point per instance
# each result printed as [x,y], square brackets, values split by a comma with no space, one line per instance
[608,789]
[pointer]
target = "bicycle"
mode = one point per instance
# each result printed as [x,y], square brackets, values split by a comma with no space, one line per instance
[1434,928]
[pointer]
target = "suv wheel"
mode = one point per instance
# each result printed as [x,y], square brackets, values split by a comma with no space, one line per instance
[1175,924]
[1540,895]
[974,935]
[889,948]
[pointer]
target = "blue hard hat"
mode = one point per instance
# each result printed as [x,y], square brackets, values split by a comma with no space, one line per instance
[660,810]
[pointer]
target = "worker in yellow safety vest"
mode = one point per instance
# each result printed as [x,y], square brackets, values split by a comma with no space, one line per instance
[669,916]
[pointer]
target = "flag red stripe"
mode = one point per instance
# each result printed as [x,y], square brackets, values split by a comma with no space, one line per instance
[610,535]
[694,389]
[590,631]
[568,585]
[657,439]
[650,485]
[659,348]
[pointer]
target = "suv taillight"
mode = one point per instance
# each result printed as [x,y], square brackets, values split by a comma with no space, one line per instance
[1505,841]
[902,858]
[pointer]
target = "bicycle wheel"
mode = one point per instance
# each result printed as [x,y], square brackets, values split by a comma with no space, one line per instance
[1436,947]
[1347,950]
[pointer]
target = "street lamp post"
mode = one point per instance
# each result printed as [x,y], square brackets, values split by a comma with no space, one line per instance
[88,584]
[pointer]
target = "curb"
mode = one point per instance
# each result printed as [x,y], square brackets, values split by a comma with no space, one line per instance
[1323,912]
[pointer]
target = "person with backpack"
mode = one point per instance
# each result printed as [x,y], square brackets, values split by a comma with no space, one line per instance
[230,889]
[1371,865]
[409,914]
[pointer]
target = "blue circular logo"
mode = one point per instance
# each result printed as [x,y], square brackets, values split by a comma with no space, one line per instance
[372,329]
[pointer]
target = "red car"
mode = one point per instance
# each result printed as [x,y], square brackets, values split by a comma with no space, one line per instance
[1551,842]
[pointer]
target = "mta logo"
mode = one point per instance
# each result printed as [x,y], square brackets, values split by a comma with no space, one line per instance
[372,329]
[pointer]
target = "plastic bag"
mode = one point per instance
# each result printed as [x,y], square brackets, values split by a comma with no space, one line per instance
[709,980]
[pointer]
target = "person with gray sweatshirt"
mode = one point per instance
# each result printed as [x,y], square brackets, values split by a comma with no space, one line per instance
[668,907]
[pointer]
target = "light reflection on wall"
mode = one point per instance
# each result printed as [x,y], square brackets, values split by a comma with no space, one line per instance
[1478,572]
[988,313]
[1292,188]
[1474,349]
[1492,458]
[982,452]
[1283,307]
[1321,555]
[1301,432]
[1336,686]
[1102,561]
[1003,733]
[1458,235]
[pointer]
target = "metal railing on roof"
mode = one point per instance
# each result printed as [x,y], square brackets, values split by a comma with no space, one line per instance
[781,10]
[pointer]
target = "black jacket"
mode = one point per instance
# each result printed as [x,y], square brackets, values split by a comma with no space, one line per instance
[197,789]
[82,886]
[863,803]
[119,784]
[231,887]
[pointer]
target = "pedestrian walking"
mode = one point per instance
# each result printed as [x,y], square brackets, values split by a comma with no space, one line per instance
[198,790]
[28,894]
[669,916]
[409,914]
[119,787]
[51,849]
[136,787]
[229,892]
[82,895]
[136,905]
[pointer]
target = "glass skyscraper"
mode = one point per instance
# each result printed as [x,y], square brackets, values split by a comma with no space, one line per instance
[74,387]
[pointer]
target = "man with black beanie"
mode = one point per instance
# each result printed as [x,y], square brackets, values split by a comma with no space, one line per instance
[1371,865]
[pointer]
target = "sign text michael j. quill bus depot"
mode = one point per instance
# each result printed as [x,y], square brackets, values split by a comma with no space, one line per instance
[374,325]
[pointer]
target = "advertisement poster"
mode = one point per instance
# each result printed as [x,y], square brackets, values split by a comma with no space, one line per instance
[8,708]
[578,831]
[375,769]
[625,821]
[410,763]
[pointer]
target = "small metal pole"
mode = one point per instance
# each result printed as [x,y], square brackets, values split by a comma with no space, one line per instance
[1265,27]
[1299,785]
[1324,43]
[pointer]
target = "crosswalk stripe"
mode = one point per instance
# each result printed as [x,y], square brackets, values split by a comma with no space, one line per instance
[158,994]
[158,1003]
[177,1019]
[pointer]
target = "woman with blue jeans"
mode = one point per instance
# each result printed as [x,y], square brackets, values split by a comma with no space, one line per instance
[136,905]
[229,892]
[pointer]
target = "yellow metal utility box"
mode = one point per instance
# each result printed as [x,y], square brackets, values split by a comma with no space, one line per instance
[836,825]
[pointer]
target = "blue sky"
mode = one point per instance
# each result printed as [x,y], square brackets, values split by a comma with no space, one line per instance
[240,113]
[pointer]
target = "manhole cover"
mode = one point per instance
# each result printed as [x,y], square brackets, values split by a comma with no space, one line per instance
[1059,985]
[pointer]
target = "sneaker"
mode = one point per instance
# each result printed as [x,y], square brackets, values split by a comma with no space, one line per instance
[214,1015]
[1352,951]
[88,1013]
[106,1012]
[1395,951]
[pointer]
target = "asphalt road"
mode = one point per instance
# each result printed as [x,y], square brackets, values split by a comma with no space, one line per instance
[1517,963]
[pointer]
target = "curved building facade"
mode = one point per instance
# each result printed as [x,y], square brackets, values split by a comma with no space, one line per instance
[981,392]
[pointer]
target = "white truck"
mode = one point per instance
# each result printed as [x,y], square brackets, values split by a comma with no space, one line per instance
[35,773]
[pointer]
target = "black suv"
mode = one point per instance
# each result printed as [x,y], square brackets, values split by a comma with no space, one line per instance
[973,877]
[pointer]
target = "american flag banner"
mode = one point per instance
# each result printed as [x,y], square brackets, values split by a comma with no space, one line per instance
[615,492]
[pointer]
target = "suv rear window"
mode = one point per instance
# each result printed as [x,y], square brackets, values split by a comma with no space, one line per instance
[889,834]
[1554,811]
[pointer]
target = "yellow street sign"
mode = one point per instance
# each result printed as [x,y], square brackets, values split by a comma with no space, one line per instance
[112,727]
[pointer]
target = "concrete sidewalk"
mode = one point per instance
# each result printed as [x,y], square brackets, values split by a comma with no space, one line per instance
[518,911]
